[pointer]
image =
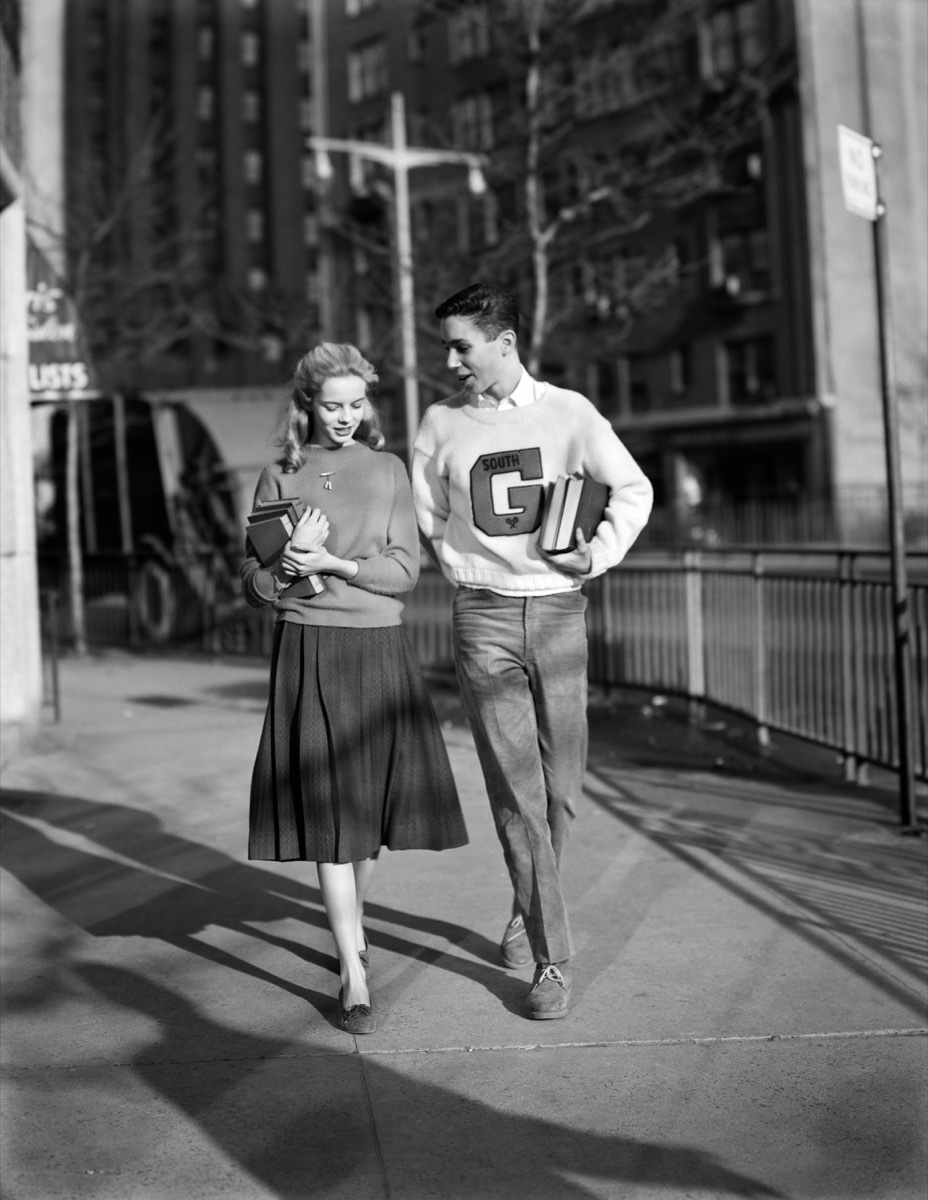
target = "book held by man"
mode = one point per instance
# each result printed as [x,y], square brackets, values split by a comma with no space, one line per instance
[269,527]
[571,503]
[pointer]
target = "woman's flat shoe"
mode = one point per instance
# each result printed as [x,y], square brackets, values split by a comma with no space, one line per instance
[357,1019]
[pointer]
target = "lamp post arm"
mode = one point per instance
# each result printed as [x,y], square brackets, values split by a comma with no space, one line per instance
[401,159]
[396,157]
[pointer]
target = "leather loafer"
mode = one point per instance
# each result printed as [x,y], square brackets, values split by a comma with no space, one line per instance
[550,992]
[514,947]
[356,1020]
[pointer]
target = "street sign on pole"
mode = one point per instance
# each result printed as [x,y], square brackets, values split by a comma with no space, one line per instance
[857,160]
[860,181]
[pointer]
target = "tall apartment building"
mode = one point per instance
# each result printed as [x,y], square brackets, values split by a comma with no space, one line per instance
[756,373]
[190,194]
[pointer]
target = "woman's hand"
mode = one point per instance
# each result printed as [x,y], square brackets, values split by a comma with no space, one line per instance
[307,539]
[573,562]
[318,562]
[311,530]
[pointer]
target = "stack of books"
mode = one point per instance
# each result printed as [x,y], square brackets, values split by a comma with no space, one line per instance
[269,528]
[571,503]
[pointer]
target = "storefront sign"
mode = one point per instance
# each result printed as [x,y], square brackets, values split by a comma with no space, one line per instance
[58,368]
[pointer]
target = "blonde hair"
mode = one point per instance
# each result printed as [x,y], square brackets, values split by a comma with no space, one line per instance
[328,360]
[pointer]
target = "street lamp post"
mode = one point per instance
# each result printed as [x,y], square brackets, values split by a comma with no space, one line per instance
[401,159]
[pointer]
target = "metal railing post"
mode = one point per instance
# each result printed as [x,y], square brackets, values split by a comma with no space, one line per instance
[760,651]
[846,651]
[695,633]
[54,651]
[607,628]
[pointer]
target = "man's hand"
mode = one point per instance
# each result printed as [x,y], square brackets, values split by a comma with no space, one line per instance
[572,562]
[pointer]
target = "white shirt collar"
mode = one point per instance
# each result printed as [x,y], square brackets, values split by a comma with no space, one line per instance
[523,393]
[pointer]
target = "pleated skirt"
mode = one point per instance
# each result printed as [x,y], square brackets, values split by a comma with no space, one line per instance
[351,756]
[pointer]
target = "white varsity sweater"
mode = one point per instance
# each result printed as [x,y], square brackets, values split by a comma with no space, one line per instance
[479,478]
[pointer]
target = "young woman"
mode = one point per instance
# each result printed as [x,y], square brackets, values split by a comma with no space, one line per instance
[351,756]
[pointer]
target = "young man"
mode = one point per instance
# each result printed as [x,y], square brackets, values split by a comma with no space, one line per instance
[481,464]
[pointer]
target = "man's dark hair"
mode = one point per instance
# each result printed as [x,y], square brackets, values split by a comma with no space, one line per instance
[492,309]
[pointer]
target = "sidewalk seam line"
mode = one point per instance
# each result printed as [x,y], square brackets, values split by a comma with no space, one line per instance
[378,1149]
[627,1043]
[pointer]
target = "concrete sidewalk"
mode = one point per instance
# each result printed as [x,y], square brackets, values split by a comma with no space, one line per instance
[749,999]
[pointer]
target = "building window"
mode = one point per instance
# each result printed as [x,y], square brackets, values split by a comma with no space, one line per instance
[251,49]
[364,327]
[751,371]
[607,386]
[472,122]
[681,369]
[307,113]
[732,39]
[308,171]
[367,71]
[469,34]
[254,166]
[207,164]
[415,44]
[206,103]
[490,219]
[604,81]
[745,261]
[254,225]
[206,43]
[639,392]
[251,106]
[749,34]
[303,56]
[310,230]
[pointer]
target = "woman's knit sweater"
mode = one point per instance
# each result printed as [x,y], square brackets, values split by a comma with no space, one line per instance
[371,520]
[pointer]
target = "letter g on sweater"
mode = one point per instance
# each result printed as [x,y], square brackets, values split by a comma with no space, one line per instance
[504,503]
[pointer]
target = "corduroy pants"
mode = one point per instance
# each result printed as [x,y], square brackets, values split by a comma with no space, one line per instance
[522,668]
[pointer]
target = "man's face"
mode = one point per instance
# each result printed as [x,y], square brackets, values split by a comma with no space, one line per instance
[479,364]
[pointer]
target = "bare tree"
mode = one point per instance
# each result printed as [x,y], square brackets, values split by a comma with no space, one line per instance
[568,198]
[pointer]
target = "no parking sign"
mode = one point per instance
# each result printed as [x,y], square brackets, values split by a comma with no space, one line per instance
[857,157]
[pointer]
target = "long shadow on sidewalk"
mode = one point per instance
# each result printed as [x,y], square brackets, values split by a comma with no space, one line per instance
[152,883]
[846,881]
[318,1138]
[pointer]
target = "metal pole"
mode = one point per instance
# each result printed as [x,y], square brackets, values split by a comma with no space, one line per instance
[319,95]
[404,269]
[75,551]
[900,590]
[127,537]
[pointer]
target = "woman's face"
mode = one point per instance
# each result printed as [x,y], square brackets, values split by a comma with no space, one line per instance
[338,409]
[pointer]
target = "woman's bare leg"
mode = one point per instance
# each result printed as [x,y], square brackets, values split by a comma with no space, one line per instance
[363,874]
[340,897]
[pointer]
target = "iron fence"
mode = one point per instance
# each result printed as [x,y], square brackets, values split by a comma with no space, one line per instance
[798,640]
